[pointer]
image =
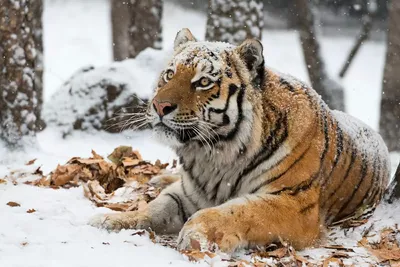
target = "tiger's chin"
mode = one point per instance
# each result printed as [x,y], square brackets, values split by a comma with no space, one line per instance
[167,136]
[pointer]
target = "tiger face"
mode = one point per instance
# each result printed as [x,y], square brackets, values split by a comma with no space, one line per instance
[200,95]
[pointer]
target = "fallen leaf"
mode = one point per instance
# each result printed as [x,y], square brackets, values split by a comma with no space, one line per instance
[38,171]
[13,204]
[2,181]
[30,162]
[24,244]
[118,206]
[152,236]
[31,211]
[339,247]
[106,243]
[196,255]
[139,233]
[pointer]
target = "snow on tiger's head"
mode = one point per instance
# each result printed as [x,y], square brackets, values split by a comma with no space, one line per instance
[200,93]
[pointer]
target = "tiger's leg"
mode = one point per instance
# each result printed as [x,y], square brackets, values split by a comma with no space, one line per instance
[166,214]
[255,220]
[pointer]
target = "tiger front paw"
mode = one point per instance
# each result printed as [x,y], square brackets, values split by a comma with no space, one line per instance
[206,231]
[118,221]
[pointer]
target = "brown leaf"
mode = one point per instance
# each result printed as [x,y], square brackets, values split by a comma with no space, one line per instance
[30,162]
[24,244]
[13,204]
[2,181]
[128,162]
[31,211]
[118,206]
[339,247]
[38,171]
[139,233]
[196,255]
[84,161]
[123,152]
[152,236]
[65,174]
[96,156]
[331,259]
[278,253]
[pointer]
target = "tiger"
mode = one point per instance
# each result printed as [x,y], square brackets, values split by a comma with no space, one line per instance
[263,158]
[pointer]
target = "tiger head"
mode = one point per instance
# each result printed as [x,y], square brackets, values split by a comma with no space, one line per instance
[203,93]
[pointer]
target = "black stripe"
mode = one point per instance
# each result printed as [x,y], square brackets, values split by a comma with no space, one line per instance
[308,207]
[376,181]
[339,150]
[232,90]
[372,183]
[272,144]
[181,209]
[195,205]
[273,179]
[353,157]
[287,84]
[364,169]
[232,133]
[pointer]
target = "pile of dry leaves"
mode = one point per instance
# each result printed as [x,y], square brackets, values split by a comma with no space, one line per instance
[119,183]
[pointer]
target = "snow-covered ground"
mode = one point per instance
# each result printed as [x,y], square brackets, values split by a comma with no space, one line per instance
[77,33]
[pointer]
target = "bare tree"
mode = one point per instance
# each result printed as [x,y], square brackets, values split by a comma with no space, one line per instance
[21,63]
[362,37]
[390,103]
[234,21]
[330,90]
[136,25]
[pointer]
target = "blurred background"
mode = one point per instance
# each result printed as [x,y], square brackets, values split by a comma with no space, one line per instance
[72,65]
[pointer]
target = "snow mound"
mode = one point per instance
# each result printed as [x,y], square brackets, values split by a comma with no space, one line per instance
[92,96]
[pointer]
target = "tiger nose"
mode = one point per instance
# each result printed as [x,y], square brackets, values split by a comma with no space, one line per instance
[163,108]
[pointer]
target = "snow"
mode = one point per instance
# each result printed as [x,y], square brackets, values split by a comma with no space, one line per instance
[76,34]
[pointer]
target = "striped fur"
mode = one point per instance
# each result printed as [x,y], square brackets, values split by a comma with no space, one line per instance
[262,155]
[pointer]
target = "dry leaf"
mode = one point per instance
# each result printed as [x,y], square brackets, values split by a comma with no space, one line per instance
[128,162]
[30,162]
[139,233]
[278,253]
[38,171]
[196,255]
[13,204]
[31,211]
[339,247]
[24,244]
[118,206]
[2,181]
[331,259]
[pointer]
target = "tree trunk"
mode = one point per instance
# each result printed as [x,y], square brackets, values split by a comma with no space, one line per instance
[136,25]
[330,90]
[234,21]
[390,103]
[21,75]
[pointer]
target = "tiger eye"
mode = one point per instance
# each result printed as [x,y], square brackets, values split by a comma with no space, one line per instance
[170,74]
[204,81]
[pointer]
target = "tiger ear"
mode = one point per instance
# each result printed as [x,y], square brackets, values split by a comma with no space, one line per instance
[251,52]
[183,36]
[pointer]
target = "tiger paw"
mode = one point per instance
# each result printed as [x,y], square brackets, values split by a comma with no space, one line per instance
[209,233]
[118,221]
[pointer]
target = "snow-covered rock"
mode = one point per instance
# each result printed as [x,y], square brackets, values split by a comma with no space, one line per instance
[92,96]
